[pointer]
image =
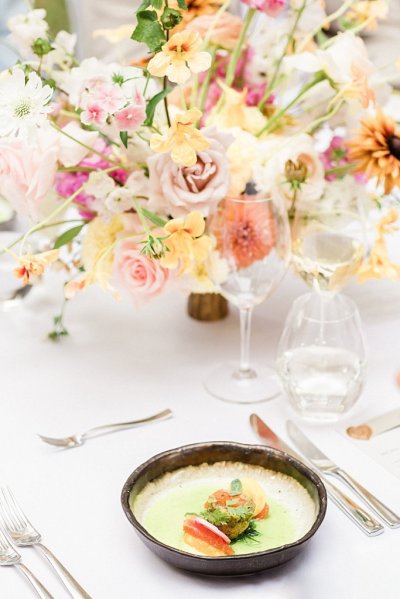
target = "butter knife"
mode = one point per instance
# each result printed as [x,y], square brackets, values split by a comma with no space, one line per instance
[350,508]
[375,426]
[323,463]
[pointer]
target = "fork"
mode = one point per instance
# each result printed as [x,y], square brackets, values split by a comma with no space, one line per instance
[24,534]
[10,557]
[77,440]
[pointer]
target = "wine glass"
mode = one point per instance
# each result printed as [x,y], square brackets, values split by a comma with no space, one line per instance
[321,354]
[252,240]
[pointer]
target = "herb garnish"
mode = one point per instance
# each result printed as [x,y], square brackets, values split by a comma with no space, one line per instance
[250,534]
[236,487]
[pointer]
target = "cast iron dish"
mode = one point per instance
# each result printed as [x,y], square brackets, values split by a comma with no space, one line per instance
[200,453]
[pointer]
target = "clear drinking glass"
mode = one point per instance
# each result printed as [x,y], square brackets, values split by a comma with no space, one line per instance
[253,245]
[322,356]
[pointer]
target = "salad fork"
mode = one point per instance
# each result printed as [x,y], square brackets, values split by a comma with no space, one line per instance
[10,557]
[24,534]
[77,440]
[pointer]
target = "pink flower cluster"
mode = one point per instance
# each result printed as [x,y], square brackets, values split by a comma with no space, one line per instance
[272,8]
[336,156]
[105,103]
[243,79]
[67,183]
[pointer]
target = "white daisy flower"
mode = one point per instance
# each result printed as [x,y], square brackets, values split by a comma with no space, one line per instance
[24,103]
[25,29]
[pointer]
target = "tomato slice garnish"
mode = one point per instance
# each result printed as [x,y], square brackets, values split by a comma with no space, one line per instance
[201,532]
[264,512]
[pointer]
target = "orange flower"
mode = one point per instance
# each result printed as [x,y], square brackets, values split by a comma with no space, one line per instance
[180,57]
[378,265]
[186,244]
[245,231]
[195,8]
[182,139]
[376,150]
[34,265]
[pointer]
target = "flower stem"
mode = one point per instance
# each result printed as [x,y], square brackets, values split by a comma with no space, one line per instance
[320,76]
[230,73]
[4,250]
[207,80]
[92,150]
[329,19]
[271,84]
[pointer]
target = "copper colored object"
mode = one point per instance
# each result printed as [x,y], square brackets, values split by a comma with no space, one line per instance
[207,306]
[363,432]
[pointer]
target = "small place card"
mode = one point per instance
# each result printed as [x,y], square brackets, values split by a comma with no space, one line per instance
[384,449]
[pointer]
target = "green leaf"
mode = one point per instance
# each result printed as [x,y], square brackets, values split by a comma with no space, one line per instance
[182,4]
[154,218]
[157,4]
[148,30]
[236,487]
[171,18]
[68,236]
[124,137]
[249,534]
[145,4]
[152,105]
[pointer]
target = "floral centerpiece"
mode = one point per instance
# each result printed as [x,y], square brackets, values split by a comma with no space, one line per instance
[122,164]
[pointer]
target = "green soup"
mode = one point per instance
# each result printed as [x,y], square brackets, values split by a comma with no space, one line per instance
[164,518]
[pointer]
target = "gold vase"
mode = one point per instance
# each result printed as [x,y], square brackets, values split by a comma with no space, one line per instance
[207,306]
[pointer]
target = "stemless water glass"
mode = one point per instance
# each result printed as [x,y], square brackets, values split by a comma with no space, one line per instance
[322,356]
[253,243]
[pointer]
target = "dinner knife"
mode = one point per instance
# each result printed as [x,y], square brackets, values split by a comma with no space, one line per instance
[375,426]
[350,508]
[323,463]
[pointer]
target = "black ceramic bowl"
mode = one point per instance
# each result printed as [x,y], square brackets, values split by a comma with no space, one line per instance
[200,453]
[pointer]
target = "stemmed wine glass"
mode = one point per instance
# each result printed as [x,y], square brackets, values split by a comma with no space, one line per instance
[321,354]
[252,240]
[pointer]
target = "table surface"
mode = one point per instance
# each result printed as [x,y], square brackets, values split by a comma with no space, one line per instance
[120,364]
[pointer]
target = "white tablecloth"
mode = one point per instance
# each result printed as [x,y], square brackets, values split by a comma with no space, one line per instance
[120,364]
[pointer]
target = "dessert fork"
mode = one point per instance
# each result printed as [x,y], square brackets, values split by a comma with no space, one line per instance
[10,557]
[77,440]
[24,534]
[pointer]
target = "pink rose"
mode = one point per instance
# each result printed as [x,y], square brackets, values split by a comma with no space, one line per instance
[225,31]
[273,8]
[176,190]
[27,173]
[142,277]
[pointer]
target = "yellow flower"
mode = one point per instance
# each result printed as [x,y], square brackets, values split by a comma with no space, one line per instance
[186,243]
[182,139]
[234,112]
[367,13]
[97,253]
[378,265]
[34,265]
[180,57]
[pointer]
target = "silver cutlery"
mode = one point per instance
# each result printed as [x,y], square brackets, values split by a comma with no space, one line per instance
[323,463]
[24,534]
[350,508]
[105,429]
[375,426]
[10,557]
